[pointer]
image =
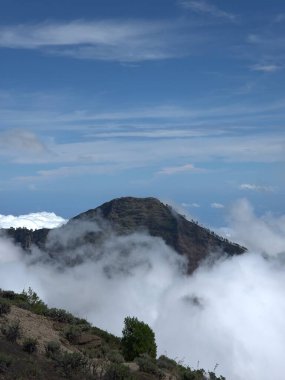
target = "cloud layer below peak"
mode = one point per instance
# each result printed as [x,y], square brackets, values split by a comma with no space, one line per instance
[33,221]
[230,313]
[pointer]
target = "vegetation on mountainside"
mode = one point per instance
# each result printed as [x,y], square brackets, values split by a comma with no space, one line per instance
[45,343]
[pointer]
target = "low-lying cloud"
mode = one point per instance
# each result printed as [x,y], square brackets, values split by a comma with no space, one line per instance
[265,234]
[33,221]
[230,313]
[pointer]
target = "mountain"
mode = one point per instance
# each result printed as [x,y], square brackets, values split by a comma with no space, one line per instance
[127,215]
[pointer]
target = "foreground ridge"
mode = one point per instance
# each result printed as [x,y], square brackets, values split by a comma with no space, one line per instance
[38,342]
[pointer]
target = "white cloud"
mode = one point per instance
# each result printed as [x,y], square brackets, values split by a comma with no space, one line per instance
[126,41]
[180,169]
[217,205]
[99,156]
[19,143]
[230,313]
[265,234]
[153,133]
[280,17]
[253,187]
[269,68]
[33,221]
[207,7]
[195,205]
[170,120]
[266,48]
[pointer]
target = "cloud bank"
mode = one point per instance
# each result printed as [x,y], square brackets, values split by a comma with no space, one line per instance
[265,234]
[33,221]
[230,313]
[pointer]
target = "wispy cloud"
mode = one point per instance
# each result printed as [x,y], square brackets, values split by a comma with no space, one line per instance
[259,188]
[66,111]
[194,205]
[266,68]
[20,144]
[180,169]
[265,49]
[280,18]
[125,41]
[217,205]
[131,153]
[268,45]
[66,171]
[205,7]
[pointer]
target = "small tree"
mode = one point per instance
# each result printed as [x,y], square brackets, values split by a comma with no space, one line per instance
[138,338]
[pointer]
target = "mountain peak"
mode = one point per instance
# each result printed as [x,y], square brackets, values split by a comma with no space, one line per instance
[127,215]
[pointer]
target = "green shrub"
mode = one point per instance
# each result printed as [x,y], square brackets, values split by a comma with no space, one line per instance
[39,308]
[83,323]
[24,305]
[147,364]
[166,363]
[5,307]
[9,294]
[117,372]
[35,303]
[31,296]
[52,349]
[30,345]
[115,357]
[186,373]
[99,352]
[71,362]
[12,332]
[60,315]
[212,376]
[32,371]
[72,333]
[5,362]
[138,338]
[111,339]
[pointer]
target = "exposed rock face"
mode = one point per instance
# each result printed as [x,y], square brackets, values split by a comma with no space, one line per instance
[127,215]
[26,238]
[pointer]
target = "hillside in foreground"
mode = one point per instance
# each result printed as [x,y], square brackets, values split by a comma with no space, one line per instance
[37,342]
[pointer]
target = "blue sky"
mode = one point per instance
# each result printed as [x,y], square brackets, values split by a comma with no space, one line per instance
[177,99]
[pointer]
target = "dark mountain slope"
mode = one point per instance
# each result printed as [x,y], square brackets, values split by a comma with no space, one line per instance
[26,238]
[130,214]
[127,215]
